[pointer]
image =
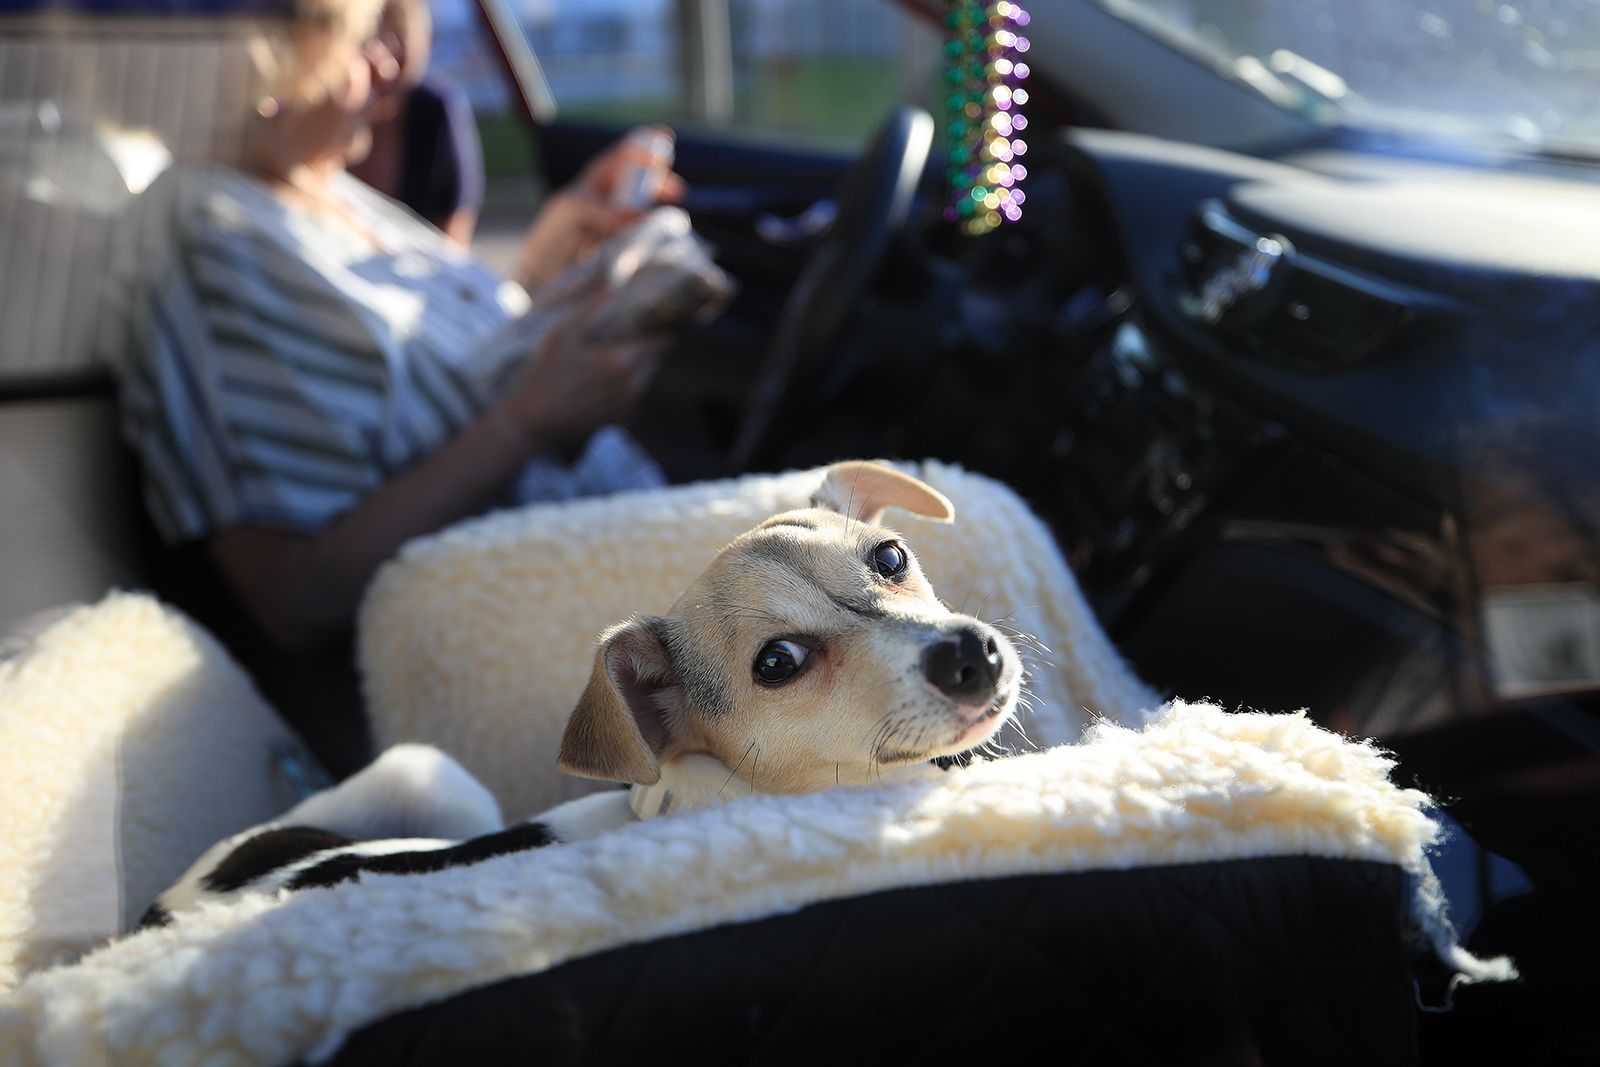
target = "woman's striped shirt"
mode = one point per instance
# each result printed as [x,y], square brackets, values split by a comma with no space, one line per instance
[276,365]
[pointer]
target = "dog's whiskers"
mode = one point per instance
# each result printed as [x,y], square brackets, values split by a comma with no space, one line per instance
[1017,726]
[850,507]
[735,772]
[880,739]
[1005,622]
[1023,637]
[890,730]
[1014,612]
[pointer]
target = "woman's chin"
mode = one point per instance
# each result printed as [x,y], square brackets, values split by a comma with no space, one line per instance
[385,108]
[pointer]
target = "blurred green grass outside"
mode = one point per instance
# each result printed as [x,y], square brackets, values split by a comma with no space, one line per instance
[828,101]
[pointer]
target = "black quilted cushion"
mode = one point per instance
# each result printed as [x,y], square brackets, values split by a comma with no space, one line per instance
[1277,961]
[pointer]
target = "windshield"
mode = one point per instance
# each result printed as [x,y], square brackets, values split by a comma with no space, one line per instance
[1528,70]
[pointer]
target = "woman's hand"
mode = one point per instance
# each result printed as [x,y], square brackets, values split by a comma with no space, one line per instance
[569,226]
[572,385]
[605,171]
[577,217]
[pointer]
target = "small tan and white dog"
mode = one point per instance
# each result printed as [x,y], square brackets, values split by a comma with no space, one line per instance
[811,653]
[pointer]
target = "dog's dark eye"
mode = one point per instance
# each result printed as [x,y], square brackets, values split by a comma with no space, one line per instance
[889,559]
[778,661]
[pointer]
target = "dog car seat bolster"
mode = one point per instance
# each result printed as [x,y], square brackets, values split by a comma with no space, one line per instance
[1305,960]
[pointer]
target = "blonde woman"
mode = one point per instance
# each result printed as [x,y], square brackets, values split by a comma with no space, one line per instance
[308,375]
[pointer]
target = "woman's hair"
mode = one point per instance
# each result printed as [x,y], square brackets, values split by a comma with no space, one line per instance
[300,56]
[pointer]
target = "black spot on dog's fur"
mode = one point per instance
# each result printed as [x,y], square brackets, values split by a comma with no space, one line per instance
[268,851]
[965,759]
[337,869]
[155,915]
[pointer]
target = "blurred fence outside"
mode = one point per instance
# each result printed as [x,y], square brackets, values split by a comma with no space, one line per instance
[823,71]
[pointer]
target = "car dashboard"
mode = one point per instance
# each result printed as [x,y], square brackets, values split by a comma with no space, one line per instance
[1318,432]
[1340,364]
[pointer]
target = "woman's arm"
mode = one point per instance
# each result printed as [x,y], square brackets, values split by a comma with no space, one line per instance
[303,589]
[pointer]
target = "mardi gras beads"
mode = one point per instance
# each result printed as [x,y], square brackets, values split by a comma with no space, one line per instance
[984,71]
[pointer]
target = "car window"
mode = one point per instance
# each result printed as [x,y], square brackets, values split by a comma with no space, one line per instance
[825,71]
[1521,70]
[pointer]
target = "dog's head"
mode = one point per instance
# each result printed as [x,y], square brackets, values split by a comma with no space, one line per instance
[811,652]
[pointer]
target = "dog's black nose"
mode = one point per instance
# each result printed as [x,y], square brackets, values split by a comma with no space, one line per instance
[964,666]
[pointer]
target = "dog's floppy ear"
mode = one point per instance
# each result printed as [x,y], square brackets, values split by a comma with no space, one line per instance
[861,490]
[619,729]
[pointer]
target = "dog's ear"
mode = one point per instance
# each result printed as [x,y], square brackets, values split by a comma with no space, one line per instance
[861,490]
[619,728]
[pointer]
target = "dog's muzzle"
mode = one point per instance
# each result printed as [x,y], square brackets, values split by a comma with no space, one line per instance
[965,666]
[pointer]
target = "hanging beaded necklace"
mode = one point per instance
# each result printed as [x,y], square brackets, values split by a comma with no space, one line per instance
[984,72]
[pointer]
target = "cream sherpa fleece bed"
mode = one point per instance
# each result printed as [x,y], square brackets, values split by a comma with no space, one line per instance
[130,742]
[480,639]
[269,980]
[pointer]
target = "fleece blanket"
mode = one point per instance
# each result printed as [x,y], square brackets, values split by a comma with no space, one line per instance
[130,742]
[479,639]
[270,980]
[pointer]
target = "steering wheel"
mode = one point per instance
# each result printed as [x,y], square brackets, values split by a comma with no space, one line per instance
[874,209]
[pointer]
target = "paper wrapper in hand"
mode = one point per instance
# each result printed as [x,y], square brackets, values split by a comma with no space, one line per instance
[649,278]
[653,276]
